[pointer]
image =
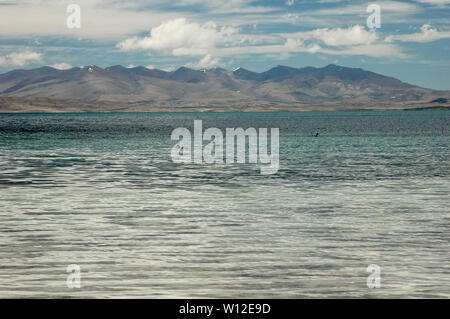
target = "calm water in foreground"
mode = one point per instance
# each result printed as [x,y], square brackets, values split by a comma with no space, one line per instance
[101,191]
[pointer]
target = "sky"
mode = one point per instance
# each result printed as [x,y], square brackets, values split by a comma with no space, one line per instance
[411,41]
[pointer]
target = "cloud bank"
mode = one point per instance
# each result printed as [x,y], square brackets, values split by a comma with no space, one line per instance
[20,58]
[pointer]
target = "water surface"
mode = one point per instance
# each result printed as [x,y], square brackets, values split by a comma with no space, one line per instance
[101,191]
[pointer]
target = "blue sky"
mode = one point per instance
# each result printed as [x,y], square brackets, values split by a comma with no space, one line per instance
[412,44]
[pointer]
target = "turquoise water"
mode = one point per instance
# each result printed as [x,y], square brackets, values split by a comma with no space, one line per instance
[101,191]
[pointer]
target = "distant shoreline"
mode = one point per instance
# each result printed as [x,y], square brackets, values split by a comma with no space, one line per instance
[230,110]
[48,105]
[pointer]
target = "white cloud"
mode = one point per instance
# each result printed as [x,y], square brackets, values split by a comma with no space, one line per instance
[339,36]
[382,50]
[212,3]
[434,2]
[355,40]
[427,34]
[206,62]
[168,68]
[293,43]
[355,35]
[180,37]
[61,66]
[360,9]
[391,12]
[227,7]
[99,19]
[20,58]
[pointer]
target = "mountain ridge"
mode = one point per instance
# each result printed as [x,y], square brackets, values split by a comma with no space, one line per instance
[280,86]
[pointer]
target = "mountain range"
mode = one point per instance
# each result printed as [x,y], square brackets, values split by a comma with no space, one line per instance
[118,88]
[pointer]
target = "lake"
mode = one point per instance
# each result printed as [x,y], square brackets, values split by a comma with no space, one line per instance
[101,191]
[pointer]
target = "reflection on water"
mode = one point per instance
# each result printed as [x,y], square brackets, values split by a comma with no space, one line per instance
[100,191]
